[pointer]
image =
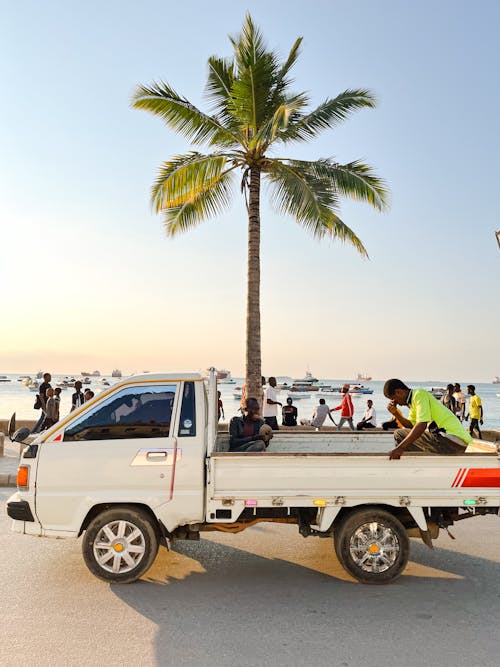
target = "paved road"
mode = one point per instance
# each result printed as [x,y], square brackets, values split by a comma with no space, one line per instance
[264,597]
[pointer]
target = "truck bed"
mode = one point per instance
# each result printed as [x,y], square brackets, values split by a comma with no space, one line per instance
[348,468]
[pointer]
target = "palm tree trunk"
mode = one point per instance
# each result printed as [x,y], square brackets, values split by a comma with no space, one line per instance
[253,352]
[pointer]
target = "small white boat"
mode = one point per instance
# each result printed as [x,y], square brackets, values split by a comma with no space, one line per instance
[86,381]
[237,395]
[4,378]
[329,391]
[360,390]
[437,392]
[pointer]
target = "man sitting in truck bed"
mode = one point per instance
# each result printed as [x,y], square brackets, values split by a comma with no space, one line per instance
[430,427]
[245,432]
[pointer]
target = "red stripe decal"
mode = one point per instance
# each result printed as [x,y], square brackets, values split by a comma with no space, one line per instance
[457,476]
[462,477]
[482,477]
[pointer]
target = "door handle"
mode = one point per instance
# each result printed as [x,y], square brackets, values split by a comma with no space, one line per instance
[156,457]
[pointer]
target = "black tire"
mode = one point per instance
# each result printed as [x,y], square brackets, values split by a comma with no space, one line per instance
[134,556]
[372,529]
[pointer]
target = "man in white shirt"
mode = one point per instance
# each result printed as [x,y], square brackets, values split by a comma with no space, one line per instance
[369,418]
[270,406]
[320,413]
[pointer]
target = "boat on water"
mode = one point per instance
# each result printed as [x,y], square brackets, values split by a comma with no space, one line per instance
[329,390]
[307,379]
[86,380]
[360,390]
[223,376]
[4,378]
[116,373]
[362,377]
[496,380]
[437,392]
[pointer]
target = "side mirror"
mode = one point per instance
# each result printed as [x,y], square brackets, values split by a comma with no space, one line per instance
[20,435]
[12,425]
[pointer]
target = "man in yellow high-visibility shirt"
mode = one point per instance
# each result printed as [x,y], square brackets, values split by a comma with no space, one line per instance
[475,411]
[430,428]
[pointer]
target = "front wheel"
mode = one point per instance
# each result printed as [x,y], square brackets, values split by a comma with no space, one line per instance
[372,546]
[120,545]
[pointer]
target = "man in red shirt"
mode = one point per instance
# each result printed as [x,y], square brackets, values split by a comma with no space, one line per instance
[347,408]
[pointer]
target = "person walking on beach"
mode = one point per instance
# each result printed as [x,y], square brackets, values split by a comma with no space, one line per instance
[57,399]
[220,407]
[369,418]
[78,398]
[449,400]
[42,399]
[321,412]
[51,410]
[346,407]
[459,397]
[289,413]
[475,411]
[430,428]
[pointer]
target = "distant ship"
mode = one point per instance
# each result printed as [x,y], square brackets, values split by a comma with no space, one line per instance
[95,374]
[360,377]
[116,373]
[221,374]
[496,380]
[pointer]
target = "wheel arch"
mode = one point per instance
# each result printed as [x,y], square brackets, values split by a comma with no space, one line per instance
[403,514]
[97,509]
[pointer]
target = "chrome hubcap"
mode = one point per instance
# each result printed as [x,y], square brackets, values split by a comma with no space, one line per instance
[374,547]
[119,547]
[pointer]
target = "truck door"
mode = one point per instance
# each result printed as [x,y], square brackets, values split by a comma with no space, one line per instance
[121,449]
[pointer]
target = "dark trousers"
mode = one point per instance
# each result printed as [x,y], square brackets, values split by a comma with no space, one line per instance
[272,422]
[474,424]
[361,425]
[254,446]
[387,426]
[429,443]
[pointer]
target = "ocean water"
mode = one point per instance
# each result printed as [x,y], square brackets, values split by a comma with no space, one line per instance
[15,397]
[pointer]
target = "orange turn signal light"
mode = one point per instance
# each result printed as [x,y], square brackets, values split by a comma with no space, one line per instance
[23,477]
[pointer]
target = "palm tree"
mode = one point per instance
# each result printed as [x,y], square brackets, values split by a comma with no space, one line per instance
[253,112]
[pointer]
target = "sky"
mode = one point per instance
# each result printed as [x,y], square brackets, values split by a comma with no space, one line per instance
[88,277]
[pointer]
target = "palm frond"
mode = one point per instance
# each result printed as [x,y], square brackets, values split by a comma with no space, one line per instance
[219,82]
[328,114]
[249,46]
[298,192]
[279,121]
[282,79]
[196,207]
[355,180]
[179,114]
[185,176]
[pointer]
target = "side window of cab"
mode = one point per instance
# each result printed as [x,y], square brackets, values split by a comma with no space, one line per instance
[135,412]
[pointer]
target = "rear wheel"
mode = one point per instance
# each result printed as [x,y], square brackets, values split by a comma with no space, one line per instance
[120,545]
[372,546]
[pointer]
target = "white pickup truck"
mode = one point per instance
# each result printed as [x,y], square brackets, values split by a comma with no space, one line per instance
[143,464]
